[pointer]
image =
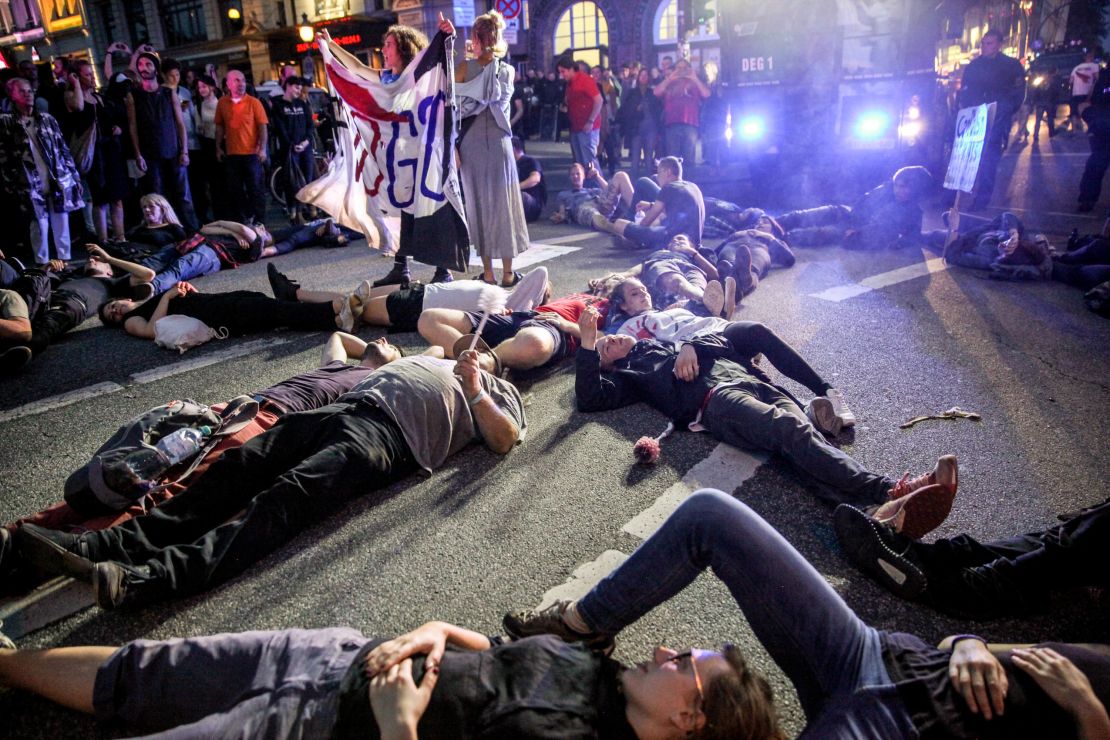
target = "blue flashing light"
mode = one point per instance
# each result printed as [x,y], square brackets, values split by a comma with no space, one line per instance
[752,128]
[872,125]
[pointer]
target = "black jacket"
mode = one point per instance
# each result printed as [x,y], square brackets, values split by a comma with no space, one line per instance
[647,374]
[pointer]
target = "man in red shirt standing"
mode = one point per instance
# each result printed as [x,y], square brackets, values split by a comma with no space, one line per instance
[584,103]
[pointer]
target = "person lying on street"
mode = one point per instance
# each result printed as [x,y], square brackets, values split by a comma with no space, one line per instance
[239,312]
[552,680]
[852,680]
[981,580]
[538,339]
[411,414]
[398,306]
[709,384]
[303,392]
[828,410]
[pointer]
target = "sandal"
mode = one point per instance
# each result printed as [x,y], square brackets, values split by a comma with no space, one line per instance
[517,277]
[481,277]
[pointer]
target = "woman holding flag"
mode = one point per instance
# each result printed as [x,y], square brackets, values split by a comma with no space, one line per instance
[494,212]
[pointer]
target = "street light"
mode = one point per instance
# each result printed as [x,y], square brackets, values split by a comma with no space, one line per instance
[234,14]
[307,33]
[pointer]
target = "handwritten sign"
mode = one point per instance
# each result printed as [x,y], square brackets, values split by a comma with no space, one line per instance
[967,149]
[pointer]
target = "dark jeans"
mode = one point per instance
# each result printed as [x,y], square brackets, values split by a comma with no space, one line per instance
[988,162]
[245,192]
[750,338]
[304,468]
[248,312]
[641,150]
[818,226]
[251,684]
[295,237]
[1090,185]
[826,651]
[206,181]
[1074,553]
[682,141]
[1048,112]
[168,178]
[757,415]
[305,165]
[66,312]
[1085,267]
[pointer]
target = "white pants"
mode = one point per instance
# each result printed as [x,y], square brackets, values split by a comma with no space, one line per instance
[58,223]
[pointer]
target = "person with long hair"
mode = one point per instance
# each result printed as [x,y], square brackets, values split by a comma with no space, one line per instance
[552,680]
[400,45]
[95,135]
[494,210]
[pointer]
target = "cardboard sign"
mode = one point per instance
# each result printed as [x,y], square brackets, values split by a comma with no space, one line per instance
[967,149]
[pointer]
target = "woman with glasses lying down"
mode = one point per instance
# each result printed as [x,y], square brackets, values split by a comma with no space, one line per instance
[445,681]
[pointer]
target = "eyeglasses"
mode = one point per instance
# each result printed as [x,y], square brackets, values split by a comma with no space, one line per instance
[692,655]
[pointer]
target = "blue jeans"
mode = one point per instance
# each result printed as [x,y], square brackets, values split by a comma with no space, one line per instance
[583,146]
[826,651]
[681,141]
[197,263]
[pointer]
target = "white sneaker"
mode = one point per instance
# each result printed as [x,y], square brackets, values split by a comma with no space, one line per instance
[840,407]
[820,412]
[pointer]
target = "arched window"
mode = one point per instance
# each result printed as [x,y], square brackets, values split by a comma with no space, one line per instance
[583,28]
[666,23]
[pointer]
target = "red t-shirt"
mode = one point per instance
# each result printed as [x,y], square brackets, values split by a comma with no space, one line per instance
[681,103]
[571,308]
[581,93]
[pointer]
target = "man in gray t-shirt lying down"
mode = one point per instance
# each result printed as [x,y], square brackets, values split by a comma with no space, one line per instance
[410,414]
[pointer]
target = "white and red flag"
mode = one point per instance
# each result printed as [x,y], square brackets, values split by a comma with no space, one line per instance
[395,147]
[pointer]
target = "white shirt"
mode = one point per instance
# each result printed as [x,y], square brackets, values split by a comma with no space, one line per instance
[1083,79]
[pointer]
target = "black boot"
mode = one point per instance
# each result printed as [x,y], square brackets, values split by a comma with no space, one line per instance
[399,275]
[284,289]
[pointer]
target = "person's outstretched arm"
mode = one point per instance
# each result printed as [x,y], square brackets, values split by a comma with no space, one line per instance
[65,676]
[138,273]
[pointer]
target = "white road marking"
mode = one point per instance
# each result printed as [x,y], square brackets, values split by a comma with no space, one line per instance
[166,371]
[147,376]
[571,238]
[882,280]
[535,254]
[726,468]
[60,400]
[584,578]
[56,599]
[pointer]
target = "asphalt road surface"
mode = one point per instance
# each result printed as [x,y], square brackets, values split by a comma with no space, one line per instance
[485,535]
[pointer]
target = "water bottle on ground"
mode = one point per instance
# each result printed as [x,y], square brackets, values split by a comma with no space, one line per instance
[183,444]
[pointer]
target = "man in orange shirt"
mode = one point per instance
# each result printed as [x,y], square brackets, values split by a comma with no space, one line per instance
[241,139]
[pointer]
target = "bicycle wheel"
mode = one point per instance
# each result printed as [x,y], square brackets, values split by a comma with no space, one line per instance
[277,186]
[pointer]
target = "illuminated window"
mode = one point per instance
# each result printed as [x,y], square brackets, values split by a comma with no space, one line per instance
[582,27]
[666,23]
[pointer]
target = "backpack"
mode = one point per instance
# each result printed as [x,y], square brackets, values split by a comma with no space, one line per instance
[108,483]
